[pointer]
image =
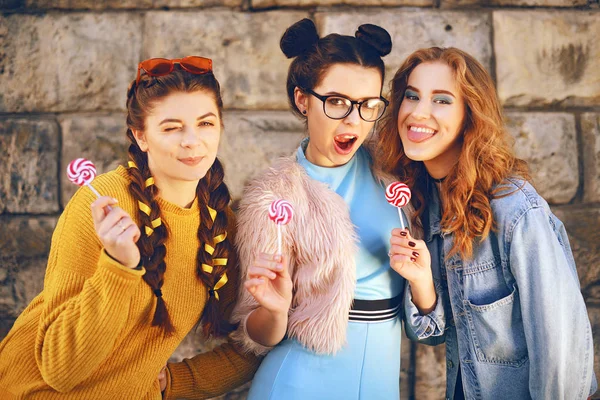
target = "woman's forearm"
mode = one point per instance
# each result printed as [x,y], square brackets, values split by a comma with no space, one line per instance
[266,328]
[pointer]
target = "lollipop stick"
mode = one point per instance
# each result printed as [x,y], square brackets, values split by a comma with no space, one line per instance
[92,189]
[402,224]
[279,239]
[97,194]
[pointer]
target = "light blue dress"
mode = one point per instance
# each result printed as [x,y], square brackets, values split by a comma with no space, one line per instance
[368,367]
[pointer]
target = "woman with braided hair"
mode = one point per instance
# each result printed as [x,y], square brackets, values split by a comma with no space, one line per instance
[125,284]
[327,311]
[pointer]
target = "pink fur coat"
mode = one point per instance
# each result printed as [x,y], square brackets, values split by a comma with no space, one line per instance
[320,243]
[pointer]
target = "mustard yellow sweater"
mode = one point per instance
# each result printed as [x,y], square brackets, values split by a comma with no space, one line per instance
[88,334]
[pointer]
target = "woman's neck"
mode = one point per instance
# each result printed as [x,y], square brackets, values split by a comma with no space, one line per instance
[440,166]
[181,193]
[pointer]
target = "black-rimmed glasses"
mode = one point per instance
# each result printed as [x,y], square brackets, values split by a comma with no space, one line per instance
[338,107]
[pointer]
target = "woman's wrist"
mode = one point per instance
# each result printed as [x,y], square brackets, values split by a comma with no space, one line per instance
[424,296]
[278,316]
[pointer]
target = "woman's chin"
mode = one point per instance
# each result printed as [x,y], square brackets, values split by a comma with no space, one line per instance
[416,155]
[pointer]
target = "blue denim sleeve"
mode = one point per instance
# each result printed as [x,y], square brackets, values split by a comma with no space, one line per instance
[427,329]
[555,320]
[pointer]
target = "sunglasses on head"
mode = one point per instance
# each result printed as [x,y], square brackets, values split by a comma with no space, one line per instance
[163,66]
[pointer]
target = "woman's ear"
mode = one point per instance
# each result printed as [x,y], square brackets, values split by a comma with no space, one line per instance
[301,100]
[140,139]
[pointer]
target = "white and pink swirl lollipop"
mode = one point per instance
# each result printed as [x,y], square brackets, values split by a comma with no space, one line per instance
[281,212]
[82,172]
[398,195]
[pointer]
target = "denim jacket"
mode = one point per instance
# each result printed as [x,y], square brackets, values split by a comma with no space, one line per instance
[517,325]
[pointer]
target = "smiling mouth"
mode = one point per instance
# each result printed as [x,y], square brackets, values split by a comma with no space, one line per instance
[419,133]
[344,142]
[191,161]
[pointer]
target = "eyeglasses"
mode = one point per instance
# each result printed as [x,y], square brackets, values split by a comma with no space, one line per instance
[337,107]
[163,66]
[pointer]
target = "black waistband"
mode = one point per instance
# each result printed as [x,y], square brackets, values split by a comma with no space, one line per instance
[376,310]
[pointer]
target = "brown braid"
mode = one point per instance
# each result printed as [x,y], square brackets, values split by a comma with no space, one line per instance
[152,247]
[211,192]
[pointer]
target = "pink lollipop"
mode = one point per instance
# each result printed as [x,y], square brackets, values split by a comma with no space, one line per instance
[398,195]
[280,212]
[82,172]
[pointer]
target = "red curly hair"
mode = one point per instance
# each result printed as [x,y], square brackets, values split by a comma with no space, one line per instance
[486,158]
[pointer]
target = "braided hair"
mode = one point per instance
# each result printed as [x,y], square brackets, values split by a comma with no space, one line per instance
[215,251]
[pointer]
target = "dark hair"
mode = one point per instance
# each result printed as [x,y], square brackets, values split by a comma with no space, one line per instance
[211,191]
[313,56]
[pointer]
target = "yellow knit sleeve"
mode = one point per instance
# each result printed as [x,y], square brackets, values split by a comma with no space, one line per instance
[86,299]
[210,374]
[224,368]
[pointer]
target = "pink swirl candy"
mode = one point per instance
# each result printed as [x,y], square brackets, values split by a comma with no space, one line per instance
[281,212]
[81,171]
[397,194]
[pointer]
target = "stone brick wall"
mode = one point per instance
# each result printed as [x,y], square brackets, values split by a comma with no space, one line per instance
[65,66]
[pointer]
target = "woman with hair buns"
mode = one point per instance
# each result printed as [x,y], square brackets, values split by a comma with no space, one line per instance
[326,312]
[126,282]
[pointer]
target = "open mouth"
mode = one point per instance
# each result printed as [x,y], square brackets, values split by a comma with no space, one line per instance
[344,142]
[419,133]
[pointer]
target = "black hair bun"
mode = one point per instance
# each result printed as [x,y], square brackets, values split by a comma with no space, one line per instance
[299,38]
[376,37]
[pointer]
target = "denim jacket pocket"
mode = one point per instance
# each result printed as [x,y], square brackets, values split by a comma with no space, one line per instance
[497,331]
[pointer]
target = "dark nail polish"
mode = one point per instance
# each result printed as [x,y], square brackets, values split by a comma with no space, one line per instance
[403,233]
[413,259]
[412,244]
[415,254]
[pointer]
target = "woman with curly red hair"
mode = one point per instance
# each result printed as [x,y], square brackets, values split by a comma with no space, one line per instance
[517,325]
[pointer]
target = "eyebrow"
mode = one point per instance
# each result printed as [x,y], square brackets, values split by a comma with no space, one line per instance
[438,91]
[348,97]
[208,114]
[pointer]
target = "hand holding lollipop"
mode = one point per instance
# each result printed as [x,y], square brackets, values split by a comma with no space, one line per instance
[115,228]
[398,195]
[280,212]
[268,279]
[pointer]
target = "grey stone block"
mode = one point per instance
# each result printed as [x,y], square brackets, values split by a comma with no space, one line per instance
[28,165]
[547,57]
[26,236]
[582,224]
[67,62]
[324,3]
[590,127]
[548,142]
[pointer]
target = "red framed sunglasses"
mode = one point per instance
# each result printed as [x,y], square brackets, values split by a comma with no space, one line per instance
[163,66]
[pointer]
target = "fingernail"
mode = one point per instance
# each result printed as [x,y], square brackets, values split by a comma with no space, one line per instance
[278,258]
[415,254]
[116,201]
[403,233]
[413,259]
[279,267]
[412,244]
